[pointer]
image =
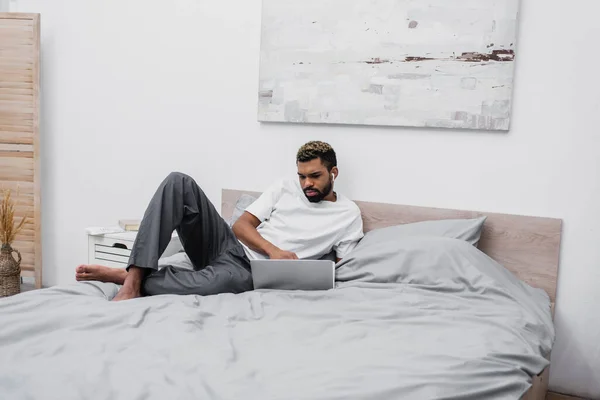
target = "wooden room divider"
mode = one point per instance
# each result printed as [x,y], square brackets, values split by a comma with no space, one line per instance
[19,131]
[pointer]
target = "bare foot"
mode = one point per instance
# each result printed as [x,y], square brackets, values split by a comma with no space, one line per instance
[126,293]
[100,273]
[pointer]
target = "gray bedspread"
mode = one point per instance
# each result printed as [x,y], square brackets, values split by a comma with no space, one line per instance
[481,336]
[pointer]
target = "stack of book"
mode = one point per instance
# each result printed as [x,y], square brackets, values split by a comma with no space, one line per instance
[130,224]
[125,225]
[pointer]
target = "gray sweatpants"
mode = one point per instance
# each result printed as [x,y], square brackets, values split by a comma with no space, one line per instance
[219,262]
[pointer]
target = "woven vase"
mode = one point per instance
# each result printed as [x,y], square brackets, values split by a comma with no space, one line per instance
[10,271]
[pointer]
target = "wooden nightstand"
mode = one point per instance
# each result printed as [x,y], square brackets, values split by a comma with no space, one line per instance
[113,249]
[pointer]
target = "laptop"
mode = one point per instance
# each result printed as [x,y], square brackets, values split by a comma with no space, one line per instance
[293,274]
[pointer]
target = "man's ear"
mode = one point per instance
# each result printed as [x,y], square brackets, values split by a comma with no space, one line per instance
[335,172]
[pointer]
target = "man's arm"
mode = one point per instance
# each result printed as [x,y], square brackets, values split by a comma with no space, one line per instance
[245,230]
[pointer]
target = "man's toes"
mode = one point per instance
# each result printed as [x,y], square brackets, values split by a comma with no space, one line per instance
[81,269]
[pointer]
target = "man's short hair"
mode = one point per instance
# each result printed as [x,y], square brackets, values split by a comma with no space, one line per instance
[316,149]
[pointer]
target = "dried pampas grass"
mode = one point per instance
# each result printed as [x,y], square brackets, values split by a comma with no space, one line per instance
[8,229]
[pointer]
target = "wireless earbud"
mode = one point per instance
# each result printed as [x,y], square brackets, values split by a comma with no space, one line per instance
[332,177]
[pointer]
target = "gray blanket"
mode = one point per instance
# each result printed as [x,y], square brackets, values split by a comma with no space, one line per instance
[480,335]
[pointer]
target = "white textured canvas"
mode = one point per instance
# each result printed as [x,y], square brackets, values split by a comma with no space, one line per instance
[426,63]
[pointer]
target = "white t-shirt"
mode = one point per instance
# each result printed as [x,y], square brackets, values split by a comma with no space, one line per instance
[310,230]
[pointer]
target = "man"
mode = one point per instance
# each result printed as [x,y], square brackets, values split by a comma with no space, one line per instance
[295,219]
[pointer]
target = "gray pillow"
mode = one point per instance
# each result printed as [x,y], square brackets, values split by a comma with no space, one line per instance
[438,263]
[468,230]
[383,255]
[415,259]
[240,206]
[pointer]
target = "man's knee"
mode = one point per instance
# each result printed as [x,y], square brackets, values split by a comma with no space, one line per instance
[179,181]
[177,176]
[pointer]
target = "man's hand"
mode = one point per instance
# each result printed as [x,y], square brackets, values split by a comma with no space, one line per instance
[278,254]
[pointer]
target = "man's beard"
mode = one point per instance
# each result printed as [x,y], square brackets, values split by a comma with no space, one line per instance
[320,195]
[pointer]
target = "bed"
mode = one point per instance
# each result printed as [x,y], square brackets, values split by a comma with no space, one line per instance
[476,325]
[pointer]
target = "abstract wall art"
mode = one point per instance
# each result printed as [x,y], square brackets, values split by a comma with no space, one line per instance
[417,63]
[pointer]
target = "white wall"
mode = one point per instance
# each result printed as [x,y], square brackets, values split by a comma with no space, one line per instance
[134,89]
[8,5]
